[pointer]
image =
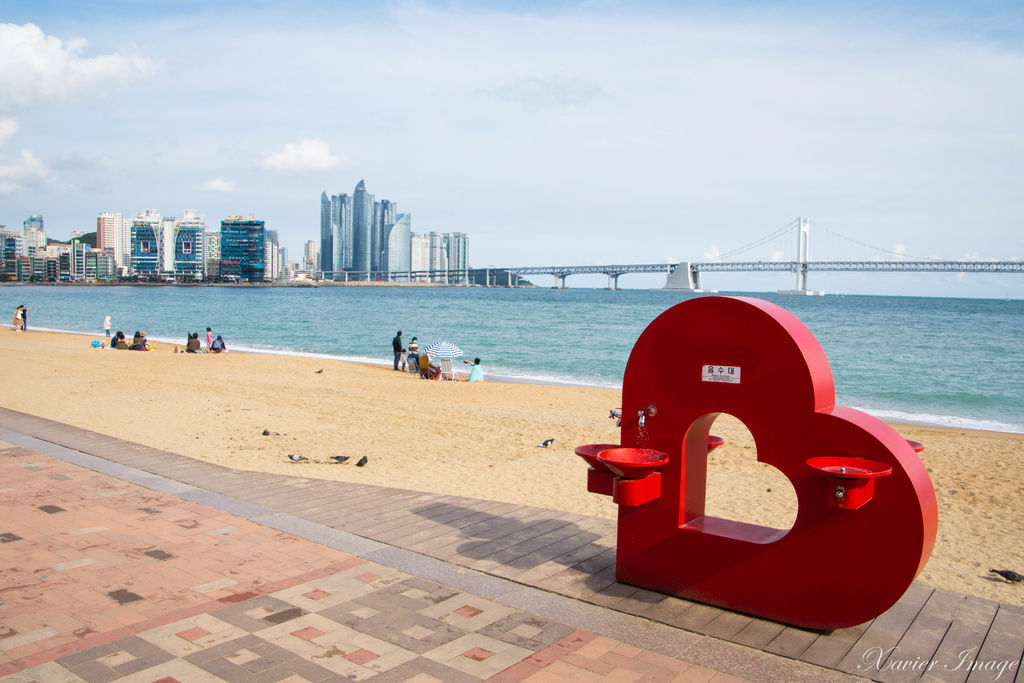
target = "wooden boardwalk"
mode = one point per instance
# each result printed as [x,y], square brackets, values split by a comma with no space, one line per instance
[930,634]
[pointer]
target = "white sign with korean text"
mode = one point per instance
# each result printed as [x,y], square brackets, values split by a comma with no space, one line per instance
[729,374]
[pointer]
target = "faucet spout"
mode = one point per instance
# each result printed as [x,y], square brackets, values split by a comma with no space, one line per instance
[641,418]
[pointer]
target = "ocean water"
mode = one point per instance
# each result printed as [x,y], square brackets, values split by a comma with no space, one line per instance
[950,362]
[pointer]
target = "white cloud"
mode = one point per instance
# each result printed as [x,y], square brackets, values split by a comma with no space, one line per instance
[899,251]
[8,127]
[22,172]
[217,185]
[777,255]
[36,67]
[308,155]
[712,254]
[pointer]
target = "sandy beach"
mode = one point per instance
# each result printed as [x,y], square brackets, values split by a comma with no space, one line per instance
[476,439]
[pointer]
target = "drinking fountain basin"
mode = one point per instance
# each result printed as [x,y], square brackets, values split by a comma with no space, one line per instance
[851,480]
[632,463]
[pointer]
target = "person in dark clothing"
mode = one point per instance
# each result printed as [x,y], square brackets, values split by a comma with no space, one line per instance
[218,345]
[193,343]
[396,344]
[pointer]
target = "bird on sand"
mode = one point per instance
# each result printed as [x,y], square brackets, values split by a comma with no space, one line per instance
[320,371]
[1008,574]
[362,461]
[545,443]
[339,458]
[296,458]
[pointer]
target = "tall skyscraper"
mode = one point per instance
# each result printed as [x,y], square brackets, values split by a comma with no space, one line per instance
[243,248]
[384,215]
[309,253]
[399,245]
[326,234]
[273,256]
[35,236]
[362,228]
[114,232]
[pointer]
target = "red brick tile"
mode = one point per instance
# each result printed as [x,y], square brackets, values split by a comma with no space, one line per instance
[478,654]
[361,656]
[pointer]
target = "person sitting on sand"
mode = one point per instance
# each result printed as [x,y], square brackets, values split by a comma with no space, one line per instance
[139,342]
[475,373]
[119,341]
[193,345]
[218,345]
[414,355]
[428,369]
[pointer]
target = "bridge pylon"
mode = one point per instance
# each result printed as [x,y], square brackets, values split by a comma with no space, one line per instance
[803,234]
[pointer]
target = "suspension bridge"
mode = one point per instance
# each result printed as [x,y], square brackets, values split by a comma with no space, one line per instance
[686,276]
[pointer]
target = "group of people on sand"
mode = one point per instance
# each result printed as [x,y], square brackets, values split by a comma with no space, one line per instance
[212,345]
[21,318]
[138,342]
[410,358]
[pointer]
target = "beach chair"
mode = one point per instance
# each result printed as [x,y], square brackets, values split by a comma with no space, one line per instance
[446,369]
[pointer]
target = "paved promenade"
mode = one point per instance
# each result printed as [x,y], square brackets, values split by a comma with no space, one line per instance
[120,561]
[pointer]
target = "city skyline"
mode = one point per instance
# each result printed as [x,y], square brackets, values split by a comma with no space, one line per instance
[571,133]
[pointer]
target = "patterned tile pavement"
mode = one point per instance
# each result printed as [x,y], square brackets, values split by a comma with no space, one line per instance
[104,580]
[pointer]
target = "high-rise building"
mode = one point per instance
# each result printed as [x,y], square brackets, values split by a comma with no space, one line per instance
[146,244]
[362,228]
[243,248]
[309,253]
[419,249]
[384,215]
[399,245]
[35,236]
[272,269]
[335,232]
[190,247]
[114,232]
[168,225]
[326,233]
[455,246]
[211,251]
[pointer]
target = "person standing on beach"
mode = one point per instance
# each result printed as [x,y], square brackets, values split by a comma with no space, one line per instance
[209,339]
[17,319]
[106,326]
[396,345]
[24,317]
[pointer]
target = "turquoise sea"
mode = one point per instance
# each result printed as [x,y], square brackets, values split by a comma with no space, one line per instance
[951,362]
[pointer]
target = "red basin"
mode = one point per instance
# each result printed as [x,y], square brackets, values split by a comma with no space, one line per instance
[715,441]
[632,463]
[916,445]
[849,468]
[589,453]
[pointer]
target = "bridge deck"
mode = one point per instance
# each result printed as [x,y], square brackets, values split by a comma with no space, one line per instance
[930,633]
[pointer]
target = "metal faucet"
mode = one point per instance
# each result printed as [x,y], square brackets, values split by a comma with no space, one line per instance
[615,415]
[644,413]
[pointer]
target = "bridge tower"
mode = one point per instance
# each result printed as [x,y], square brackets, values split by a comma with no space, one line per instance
[803,234]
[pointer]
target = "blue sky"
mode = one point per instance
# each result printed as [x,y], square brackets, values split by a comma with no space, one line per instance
[568,132]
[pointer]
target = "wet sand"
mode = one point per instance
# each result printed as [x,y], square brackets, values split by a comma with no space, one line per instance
[475,439]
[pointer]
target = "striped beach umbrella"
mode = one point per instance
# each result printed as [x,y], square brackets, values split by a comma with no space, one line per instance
[443,349]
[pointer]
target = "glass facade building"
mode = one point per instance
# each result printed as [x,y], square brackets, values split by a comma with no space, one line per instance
[146,248]
[243,249]
[189,254]
[399,245]
[362,228]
